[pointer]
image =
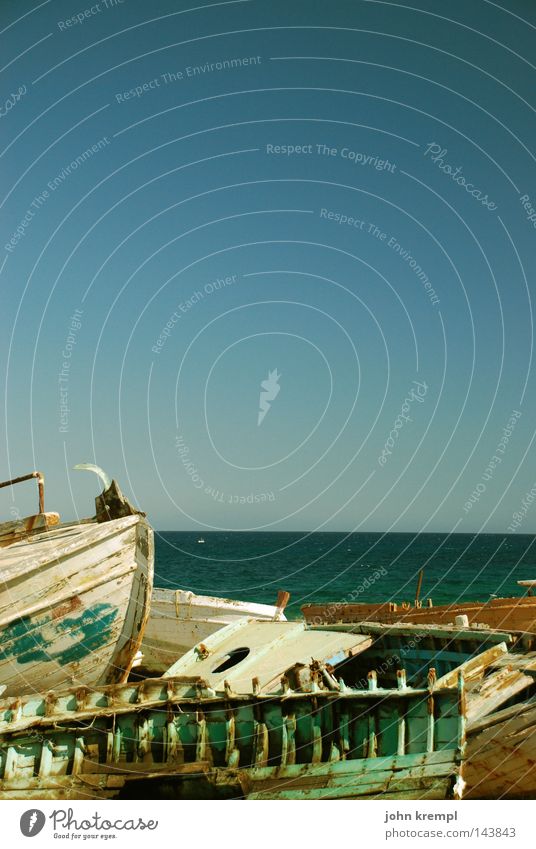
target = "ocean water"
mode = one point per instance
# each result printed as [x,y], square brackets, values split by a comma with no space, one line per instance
[337,566]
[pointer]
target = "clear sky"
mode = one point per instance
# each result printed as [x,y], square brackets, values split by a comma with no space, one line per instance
[335,199]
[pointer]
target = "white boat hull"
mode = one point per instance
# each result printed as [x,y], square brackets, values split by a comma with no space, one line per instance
[179,620]
[74,602]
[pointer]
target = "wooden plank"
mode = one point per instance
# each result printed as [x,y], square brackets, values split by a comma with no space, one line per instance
[352,779]
[495,691]
[18,529]
[129,698]
[515,660]
[264,650]
[474,667]
[495,718]
[501,759]
[438,789]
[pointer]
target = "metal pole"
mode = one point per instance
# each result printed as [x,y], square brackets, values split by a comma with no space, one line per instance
[40,486]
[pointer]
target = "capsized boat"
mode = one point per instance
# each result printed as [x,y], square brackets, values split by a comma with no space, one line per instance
[74,597]
[264,652]
[251,654]
[179,619]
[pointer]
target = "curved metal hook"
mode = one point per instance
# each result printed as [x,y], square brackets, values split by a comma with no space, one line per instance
[89,467]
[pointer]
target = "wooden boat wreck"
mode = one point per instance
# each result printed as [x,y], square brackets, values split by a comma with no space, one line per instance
[74,598]
[501,754]
[179,737]
[179,619]
[501,737]
[499,671]
[267,651]
[261,710]
[506,614]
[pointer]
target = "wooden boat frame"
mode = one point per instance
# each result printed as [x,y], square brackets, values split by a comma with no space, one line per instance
[83,743]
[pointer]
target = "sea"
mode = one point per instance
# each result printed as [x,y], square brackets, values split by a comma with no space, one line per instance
[359,567]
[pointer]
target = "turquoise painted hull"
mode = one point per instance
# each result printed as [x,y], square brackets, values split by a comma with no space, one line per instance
[74,601]
[358,744]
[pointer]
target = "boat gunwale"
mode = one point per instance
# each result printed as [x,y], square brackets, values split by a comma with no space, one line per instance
[77,543]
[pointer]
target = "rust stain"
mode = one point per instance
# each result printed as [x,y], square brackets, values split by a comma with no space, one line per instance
[70,606]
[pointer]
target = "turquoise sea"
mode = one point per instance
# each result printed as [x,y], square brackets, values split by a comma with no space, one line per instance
[335,566]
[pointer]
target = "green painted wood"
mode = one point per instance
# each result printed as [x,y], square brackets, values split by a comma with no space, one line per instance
[438,789]
[447,722]
[417,726]
[399,777]
[358,734]
[387,730]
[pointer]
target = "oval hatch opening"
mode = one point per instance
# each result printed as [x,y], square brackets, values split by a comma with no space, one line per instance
[234,657]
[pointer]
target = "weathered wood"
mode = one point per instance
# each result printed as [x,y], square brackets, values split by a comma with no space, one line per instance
[179,620]
[474,667]
[481,723]
[73,603]
[505,614]
[526,661]
[446,633]
[18,529]
[112,504]
[176,727]
[495,690]
[501,759]
[267,650]
[405,777]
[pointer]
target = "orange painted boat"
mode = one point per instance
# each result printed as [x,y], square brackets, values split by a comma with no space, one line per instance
[505,614]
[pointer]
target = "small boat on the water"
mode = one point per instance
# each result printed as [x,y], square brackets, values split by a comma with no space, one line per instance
[74,597]
[179,619]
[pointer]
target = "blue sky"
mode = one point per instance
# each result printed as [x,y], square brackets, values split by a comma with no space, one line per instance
[339,192]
